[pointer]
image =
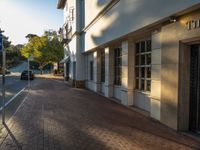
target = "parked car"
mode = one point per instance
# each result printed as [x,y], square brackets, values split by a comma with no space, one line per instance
[24,75]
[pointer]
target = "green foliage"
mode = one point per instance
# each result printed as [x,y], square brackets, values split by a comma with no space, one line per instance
[45,49]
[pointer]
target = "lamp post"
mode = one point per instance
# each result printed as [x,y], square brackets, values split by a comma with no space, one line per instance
[3,75]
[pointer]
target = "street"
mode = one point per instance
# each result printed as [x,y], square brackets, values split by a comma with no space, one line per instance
[16,89]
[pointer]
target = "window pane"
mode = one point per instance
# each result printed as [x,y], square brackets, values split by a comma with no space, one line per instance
[137,59]
[148,82]
[137,48]
[118,63]
[148,72]
[137,84]
[148,59]
[143,46]
[142,59]
[91,70]
[148,45]
[143,65]
[137,72]
[103,66]
[142,85]
[142,72]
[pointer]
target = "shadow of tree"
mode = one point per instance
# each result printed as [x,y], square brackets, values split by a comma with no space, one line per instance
[131,15]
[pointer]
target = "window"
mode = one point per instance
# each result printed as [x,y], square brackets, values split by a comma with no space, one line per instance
[118,65]
[143,65]
[91,70]
[103,66]
[71,14]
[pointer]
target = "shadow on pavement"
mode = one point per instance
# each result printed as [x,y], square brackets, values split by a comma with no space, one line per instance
[19,147]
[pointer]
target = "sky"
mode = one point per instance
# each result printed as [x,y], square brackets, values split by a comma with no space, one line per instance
[21,17]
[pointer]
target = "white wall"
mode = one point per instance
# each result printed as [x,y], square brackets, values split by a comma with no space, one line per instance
[69,4]
[93,7]
[130,15]
[72,54]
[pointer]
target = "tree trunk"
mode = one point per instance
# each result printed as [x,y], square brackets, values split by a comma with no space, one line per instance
[58,67]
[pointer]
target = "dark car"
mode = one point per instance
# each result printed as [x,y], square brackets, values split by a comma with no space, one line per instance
[24,75]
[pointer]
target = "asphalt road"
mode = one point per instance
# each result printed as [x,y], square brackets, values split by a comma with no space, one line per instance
[16,89]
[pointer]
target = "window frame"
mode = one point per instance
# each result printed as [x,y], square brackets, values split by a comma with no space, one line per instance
[103,66]
[118,66]
[91,70]
[143,77]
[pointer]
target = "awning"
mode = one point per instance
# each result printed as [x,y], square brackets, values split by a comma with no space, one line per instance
[65,60]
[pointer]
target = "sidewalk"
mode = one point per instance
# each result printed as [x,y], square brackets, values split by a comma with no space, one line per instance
[57,117]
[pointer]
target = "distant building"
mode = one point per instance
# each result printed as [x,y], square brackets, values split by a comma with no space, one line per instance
[142,53]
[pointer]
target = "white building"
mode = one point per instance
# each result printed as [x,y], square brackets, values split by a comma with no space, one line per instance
[143,53]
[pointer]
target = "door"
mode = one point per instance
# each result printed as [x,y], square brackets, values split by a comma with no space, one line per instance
[194,124]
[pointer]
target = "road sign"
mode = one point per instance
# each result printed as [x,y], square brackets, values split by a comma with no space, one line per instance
[1,42]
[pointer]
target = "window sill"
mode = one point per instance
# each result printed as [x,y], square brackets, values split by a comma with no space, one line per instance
[143,92]
[117,86]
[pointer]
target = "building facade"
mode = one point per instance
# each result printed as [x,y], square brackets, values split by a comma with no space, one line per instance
[142,53]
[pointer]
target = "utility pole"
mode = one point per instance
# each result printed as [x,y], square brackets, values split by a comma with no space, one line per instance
[3,74]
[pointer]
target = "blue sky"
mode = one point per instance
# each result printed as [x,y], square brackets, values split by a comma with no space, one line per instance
[21,17]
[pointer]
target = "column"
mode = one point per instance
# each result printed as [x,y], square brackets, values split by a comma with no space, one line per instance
[97,74]
[127,73]
[109,72]
[155,75]
[170,76]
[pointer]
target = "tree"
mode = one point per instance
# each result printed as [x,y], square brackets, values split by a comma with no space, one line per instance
[29,36]
[54,45]
[45,49]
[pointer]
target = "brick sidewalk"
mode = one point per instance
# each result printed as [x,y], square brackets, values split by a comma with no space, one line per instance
[57,117]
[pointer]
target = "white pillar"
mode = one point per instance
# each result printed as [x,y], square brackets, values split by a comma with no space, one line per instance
[97,75]
[127,73]
[156,75]
[109,72]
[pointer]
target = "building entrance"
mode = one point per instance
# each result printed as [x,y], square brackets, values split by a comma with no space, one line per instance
[194,121]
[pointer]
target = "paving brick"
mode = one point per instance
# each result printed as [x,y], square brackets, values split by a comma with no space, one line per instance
[58,117]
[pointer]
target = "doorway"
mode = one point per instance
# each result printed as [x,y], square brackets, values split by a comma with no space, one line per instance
[194,113]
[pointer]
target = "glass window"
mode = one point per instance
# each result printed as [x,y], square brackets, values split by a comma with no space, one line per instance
[143,72]
[148,43]
[142,85]
[137,60]
[148,72]
[103,66]
[143,66]
[148,86]
[137,48]
[91,70]
[148,59]
[142,46]
[142,59]
[137,72]
[118,65]
[137,84]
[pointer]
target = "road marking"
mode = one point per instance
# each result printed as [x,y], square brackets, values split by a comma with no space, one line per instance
[9,101]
